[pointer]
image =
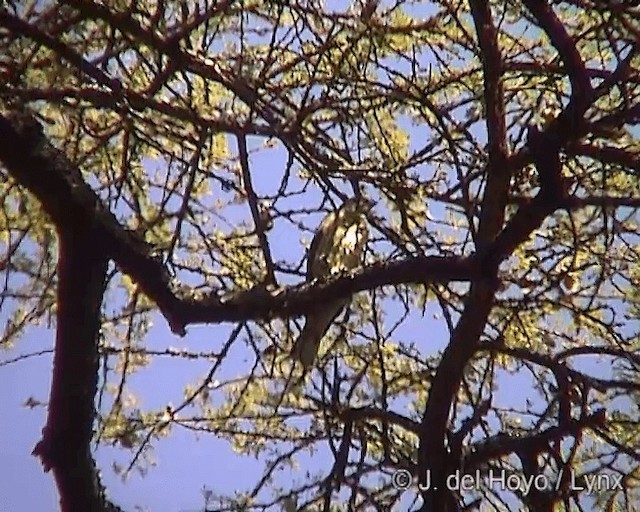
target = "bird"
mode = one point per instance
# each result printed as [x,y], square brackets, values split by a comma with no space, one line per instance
[337,247]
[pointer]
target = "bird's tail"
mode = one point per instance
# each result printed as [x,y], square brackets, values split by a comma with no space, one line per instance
[316,325]
[306,346]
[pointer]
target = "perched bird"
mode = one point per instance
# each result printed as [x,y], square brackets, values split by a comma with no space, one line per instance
[336,247]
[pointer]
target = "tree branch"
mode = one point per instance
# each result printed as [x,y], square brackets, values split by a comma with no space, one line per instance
[65,446]
[66,198]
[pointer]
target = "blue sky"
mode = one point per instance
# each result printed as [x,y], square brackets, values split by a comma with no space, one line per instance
[184,464]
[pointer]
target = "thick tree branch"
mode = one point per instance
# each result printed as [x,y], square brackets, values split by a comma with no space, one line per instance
[59,187]
[607,155]
[67,199]
[432,454]
[580,84]
[149,75]
[65,447]
[502,445]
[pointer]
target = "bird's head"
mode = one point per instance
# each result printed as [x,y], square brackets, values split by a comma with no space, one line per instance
[354,207]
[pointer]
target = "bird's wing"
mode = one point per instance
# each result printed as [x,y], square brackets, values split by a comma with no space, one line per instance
[323,234]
